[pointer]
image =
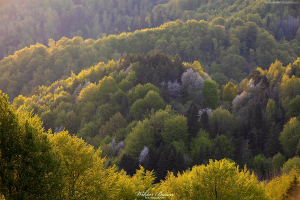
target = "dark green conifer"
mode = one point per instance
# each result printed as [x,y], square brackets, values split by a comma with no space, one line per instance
[204,121]
[273,145]
[129,164]
[125,106]
[193,120]
[257,117]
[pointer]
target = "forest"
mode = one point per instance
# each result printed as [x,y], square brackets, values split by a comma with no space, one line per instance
[186,100]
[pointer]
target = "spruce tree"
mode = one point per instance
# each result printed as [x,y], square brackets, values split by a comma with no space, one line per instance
[257,117]
[171,158]
[256,122]
[180,165]
[204,121]
[162,166]
[199,157]
[151,163]
[273,145]
[193,120]
[165,93]
[129,164]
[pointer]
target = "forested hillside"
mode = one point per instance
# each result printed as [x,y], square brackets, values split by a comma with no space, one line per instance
[168,119]
[26,22]
[202,103]
[227,55]
[124,106]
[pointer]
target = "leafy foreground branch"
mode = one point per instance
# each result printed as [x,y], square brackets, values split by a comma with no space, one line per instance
[39,165]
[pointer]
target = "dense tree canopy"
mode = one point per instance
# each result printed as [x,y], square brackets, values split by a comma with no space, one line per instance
[234,96]
[30,166]
[213,182]
[227,55]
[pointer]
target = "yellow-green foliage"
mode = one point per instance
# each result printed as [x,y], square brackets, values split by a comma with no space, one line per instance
[278,187]
[287,89]
[218,180]
[196,66]
[86,178]
[127,187]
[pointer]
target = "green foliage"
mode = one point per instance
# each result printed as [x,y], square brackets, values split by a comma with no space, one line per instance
[257,118]
[290,164]
[222,148]
[106,111]
[138,109]
[278,188]
[87,103]
[30,166]
[128,163]
[221,122]
[110,127]
[84,175]
[298,35]
[154,101]
[219,179]
[201,147]
[219,77]
[211,93]
[196,66]
[294,107]
[262,165]
[288,87]
[140,91]
[229,92]
[158,122]
[272,145]
[271,110]
[175,129]
[278,161]
[140,136]
[77,160]
[265,41]
[193,120]
[197,40]
[233,66]
[106,140]
[290,136]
